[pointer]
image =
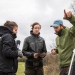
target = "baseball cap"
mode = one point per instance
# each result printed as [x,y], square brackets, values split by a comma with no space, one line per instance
[57,23]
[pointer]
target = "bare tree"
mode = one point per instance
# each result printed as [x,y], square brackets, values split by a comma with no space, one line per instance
[72,6]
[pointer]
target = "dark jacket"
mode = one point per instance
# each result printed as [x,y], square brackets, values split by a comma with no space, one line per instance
[8,51]
[33,44]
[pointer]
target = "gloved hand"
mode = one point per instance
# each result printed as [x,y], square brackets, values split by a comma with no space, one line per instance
[20,53]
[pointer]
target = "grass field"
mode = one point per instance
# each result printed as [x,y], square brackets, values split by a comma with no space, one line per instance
[48,70]
[21,68]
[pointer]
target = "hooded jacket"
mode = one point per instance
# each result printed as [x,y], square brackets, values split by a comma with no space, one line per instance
[8,51]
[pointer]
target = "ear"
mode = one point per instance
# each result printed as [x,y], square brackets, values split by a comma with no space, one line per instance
[62,26]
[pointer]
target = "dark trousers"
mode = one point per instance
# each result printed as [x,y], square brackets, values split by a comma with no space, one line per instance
[34,71]
[73,70]
[7,74]
[64,71]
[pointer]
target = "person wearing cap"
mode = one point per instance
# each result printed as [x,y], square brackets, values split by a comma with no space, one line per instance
[64,42]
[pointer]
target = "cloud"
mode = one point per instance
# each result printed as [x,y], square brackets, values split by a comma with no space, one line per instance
[25,12]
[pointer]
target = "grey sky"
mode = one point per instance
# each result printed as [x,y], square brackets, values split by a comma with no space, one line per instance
[25,12]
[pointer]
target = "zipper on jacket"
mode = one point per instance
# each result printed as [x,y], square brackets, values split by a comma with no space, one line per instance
[36,45]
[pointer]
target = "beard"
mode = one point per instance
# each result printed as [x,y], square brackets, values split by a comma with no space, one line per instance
[59,32]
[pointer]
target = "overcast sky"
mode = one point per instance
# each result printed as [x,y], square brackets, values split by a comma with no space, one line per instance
[25,12]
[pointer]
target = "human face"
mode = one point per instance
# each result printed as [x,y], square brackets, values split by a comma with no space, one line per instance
[15,29]
[57,29]
[36,29]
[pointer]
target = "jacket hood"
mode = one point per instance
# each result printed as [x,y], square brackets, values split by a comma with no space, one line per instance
[6,29]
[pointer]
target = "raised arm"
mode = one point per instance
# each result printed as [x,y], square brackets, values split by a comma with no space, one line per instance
[71,18]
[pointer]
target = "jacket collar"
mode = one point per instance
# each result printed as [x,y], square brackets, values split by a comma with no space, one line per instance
[35,35]
[63,31]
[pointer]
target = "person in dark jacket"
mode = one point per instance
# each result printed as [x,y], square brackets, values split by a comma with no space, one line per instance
[8,49]
[34,49]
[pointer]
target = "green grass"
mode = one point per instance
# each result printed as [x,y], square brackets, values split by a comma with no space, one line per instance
[21,68]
